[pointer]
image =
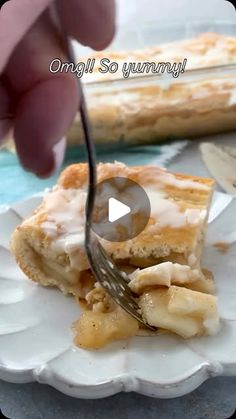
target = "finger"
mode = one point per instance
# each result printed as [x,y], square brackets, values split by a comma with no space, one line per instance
[16,17]
[91,22]
[47,103]
[43,117]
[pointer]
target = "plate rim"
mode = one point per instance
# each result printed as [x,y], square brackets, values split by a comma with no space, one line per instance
[125,381]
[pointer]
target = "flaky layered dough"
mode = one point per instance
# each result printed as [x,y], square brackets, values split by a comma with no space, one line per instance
[49,245]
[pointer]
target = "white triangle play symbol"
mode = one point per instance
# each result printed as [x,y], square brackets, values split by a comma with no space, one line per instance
[116,210]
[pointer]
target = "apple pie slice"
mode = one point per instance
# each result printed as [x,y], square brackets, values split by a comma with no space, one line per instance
[163,260]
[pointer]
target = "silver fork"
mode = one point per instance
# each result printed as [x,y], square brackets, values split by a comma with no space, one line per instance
[104,269]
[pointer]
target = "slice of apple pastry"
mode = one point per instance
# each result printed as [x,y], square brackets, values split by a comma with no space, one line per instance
[164,260]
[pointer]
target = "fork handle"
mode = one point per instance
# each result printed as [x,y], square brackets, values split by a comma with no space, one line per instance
[90,149]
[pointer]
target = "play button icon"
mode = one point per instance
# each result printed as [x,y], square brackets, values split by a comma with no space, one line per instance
[121,210]
[117,210]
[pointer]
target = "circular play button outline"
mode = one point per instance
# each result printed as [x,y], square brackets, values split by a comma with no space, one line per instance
[122,209]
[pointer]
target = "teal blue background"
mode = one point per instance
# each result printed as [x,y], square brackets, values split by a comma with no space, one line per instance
[17,184]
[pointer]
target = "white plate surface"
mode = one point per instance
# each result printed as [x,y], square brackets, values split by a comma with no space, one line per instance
[36,340]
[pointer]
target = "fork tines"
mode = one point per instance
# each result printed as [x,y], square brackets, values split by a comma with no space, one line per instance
[115,282]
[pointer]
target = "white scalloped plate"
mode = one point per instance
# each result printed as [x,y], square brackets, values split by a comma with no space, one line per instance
[36,340]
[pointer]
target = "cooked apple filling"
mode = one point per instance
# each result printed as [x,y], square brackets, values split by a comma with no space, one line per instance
[165,302]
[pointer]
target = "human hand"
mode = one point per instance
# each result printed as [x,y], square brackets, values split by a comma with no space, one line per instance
[44,104]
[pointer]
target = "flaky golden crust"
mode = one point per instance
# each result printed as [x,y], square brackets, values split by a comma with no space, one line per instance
[75,176]
[39,243]
[172,292]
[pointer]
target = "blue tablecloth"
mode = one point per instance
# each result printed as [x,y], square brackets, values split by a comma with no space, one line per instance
[17,184]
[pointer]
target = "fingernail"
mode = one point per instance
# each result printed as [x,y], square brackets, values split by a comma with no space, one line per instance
[58,152]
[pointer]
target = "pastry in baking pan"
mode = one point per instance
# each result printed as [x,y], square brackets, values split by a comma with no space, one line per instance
[154,110]
[163,261]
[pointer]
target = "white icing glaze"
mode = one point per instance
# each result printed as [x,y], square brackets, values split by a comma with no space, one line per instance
[65,208]
[167,212]
[195,216]
[65,215]
[50,228]
[169,179]
[71,241]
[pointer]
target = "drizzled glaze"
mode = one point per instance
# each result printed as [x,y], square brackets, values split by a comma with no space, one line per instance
[65,218]
[65,207]
[167,212]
